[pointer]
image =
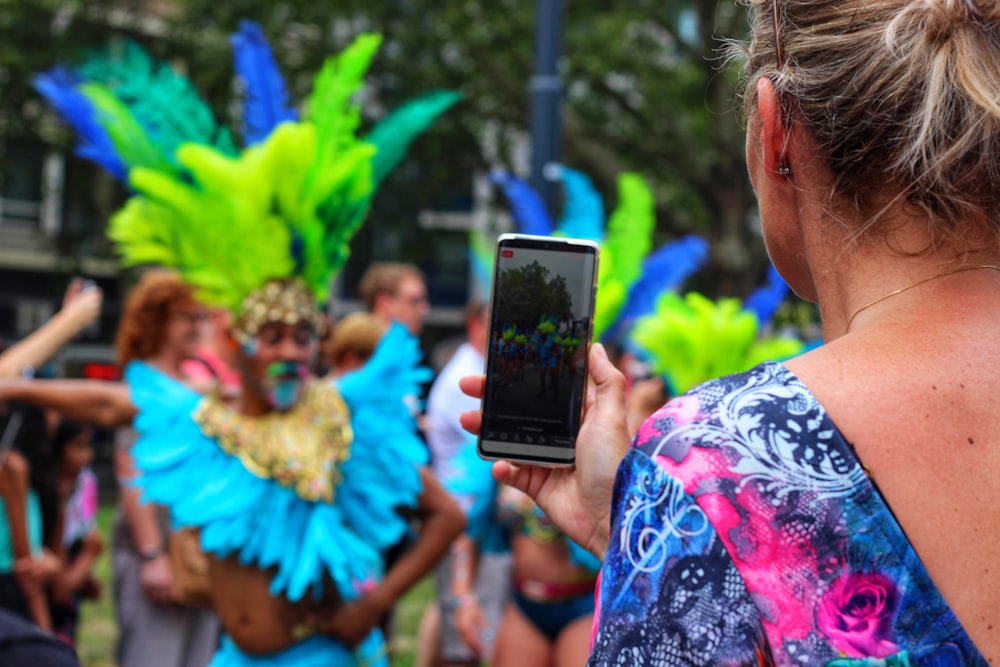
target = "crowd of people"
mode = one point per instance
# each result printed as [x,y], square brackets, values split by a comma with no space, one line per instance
[166,610]
[832,509]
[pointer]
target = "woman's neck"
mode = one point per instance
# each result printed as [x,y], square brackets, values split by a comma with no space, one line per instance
[881,280]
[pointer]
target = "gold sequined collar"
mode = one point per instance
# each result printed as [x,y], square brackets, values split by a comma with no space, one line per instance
[301,449]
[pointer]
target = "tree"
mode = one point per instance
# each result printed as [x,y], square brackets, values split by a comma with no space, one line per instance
[644,92]
[528,295]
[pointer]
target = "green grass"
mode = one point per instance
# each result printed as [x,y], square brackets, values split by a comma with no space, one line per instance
[99,629]
[98,626]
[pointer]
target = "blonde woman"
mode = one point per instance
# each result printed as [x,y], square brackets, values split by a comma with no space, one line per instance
[838,509]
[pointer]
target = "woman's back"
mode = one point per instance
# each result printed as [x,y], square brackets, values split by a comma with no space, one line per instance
[924,419]
[746,530]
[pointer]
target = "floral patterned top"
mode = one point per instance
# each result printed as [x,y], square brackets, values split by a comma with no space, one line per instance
[745,531]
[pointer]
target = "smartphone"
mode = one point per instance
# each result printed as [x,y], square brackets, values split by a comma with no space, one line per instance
[541,321]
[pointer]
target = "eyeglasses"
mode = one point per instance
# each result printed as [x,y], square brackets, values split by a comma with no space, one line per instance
[192,317]
[776,15]
[413,300]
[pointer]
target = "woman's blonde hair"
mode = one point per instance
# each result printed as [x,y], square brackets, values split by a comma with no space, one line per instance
[902,94]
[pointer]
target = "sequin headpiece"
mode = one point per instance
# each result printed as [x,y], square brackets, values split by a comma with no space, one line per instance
[284,301]
[238,223]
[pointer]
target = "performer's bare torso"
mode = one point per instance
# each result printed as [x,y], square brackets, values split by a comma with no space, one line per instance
[257,621]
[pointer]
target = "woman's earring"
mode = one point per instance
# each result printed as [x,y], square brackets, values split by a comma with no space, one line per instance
[784,170]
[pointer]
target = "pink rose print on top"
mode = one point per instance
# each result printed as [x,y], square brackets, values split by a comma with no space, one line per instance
[857,613]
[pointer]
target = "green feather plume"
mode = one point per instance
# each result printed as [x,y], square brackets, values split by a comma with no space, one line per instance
[393,135]
[131,140]
[626,243]
[285,207]
[223,227]
[692,339]
[165,103]
[330,108]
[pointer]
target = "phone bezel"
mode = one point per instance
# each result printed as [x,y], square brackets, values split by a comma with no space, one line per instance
[540,455]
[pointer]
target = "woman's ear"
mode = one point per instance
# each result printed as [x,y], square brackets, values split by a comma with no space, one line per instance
[774,136]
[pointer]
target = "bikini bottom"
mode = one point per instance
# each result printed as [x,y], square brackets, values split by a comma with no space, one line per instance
[551,617]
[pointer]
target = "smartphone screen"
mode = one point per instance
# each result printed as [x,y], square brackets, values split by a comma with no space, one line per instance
[541,318]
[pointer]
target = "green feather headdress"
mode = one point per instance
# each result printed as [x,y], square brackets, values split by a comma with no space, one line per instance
[283,208]
[691,339]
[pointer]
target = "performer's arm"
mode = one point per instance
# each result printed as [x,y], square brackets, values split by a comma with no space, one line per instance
[79,310]
[96,402]
[442,521]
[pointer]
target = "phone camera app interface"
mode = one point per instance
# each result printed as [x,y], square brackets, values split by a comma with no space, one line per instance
[541,316]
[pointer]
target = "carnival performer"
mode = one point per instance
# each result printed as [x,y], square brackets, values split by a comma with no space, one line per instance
[296,492]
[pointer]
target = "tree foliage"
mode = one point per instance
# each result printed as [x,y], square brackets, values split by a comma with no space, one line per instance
[644,91]
[528,294]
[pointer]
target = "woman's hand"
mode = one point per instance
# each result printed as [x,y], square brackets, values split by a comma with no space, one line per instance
[577,499]
[82,303]
[157,579]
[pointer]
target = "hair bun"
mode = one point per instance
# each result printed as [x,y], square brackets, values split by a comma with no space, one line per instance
[943,17]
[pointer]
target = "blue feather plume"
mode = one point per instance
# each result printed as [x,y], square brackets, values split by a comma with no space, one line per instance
[764,301]
[526,206]
[59,87]
[663,270]
[265,105]
[583,211]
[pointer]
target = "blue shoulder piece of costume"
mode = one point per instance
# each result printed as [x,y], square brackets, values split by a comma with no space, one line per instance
[382,473]
[274,502]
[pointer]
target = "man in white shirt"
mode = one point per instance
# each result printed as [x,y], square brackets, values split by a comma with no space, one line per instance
[446,437]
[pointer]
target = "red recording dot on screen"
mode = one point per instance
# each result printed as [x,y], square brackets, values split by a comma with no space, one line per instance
[506,253]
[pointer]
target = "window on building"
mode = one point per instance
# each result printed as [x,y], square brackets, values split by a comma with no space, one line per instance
[22,165]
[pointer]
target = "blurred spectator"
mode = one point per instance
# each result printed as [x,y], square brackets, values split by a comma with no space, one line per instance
[395,291]
[446,438]
[163,325]
[24,645]
[81,306]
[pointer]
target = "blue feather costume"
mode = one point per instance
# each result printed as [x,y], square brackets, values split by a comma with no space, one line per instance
[271,520]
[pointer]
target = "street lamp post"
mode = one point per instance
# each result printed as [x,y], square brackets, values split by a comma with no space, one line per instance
[546,94]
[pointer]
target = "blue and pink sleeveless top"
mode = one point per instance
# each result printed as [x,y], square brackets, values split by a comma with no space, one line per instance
[745,531]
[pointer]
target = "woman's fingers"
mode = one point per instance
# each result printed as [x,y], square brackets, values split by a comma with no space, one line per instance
[473,385]
[471,421]
[527,478]
[609,383]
